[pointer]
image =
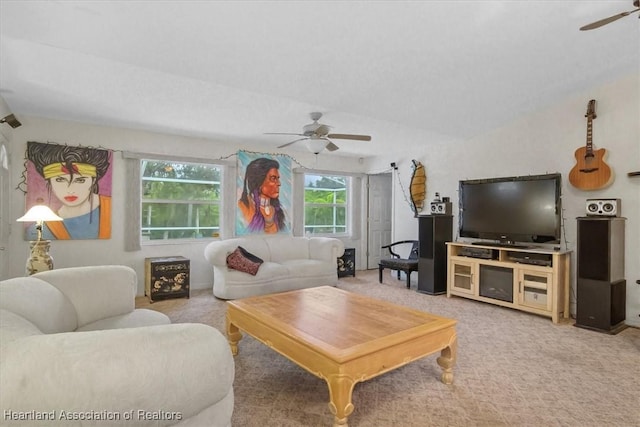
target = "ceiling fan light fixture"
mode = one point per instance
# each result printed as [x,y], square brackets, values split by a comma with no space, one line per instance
[316,145]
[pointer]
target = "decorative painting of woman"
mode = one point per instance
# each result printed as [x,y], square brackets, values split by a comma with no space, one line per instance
[73,177]
[259,207]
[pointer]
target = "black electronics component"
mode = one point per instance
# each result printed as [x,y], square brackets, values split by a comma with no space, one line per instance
[484,253]
[530,258]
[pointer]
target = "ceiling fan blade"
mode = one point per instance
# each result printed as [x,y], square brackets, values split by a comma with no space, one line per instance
[347,136]
[289,143]
[322,130]
[281,133]
[331,146]
[606,21]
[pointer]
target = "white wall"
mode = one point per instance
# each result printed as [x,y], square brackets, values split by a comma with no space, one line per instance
[92,252]
[544,142]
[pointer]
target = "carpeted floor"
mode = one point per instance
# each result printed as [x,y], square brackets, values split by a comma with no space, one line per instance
[513,369]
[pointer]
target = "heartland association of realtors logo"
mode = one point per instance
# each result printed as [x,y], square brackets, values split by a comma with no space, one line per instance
[62,415]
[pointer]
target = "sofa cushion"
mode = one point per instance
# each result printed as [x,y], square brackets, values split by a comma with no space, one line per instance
[40,303]
[307,267]
[15,327]
[268,271]
[137,318]
[287,248]
[96,292]
[242,260]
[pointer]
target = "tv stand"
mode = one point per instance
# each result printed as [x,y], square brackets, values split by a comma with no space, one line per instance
[535,280]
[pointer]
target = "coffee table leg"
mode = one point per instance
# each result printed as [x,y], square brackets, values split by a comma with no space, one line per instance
[340,391]
[233,336]
[447,359]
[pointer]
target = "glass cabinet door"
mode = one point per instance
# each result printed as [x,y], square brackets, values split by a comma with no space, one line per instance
[534,289]
[464,276]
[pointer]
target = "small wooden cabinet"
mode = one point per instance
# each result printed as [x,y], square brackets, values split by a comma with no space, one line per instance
[166,277]
[347,263]
[530,279]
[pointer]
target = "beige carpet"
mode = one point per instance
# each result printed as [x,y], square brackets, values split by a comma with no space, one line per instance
[513,369]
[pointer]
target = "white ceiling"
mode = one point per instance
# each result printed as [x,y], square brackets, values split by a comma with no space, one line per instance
[232,70]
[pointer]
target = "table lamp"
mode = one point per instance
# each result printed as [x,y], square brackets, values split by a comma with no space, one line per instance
[40,260]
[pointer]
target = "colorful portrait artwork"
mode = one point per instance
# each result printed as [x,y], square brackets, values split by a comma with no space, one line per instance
[263,194]
[75,182]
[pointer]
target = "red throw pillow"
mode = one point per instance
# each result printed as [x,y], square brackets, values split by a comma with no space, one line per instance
[242,260]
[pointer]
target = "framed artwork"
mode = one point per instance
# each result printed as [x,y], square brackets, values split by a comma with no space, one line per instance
[75,182]
[263,194]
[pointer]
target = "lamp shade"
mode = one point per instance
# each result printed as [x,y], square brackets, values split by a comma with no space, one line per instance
[39,213]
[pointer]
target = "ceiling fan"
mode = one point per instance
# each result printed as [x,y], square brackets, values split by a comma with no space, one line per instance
[317,136]
[600,23]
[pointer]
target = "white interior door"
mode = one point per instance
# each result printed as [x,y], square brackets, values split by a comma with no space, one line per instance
[379,214]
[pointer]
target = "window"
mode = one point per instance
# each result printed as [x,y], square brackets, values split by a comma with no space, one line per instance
[179,200]
[325,204]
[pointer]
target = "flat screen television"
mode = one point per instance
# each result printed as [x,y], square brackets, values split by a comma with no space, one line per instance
[511,209]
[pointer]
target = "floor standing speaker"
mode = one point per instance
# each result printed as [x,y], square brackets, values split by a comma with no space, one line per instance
[601,288]
[601,248]
[434,232]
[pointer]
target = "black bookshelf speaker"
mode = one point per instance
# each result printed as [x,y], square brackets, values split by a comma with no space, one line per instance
[434,231]
[601,248]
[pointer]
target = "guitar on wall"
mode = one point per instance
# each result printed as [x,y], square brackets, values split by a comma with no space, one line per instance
[590,171]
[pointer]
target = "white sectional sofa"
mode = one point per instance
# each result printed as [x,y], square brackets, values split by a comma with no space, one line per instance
[289,263]
[75,351]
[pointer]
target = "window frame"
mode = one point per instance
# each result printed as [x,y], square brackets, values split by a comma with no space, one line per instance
[133,197]
[219,202]
[348,204]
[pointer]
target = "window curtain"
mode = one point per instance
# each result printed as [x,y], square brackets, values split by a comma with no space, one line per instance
[297,187]
[132,204]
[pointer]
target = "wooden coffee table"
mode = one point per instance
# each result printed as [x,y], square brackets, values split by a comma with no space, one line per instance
[342,337]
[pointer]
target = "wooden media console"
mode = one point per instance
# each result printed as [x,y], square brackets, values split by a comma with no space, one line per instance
[530,279]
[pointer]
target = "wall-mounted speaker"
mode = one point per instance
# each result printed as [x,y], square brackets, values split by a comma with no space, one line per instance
[441,208]
[603,207]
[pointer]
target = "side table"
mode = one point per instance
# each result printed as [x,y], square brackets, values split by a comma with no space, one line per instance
[166,277]
[347,263]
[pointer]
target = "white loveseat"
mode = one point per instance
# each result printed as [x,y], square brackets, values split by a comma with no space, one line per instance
[289,263]
[75,351]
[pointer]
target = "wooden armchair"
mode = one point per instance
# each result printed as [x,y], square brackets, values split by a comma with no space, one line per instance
[400,264]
